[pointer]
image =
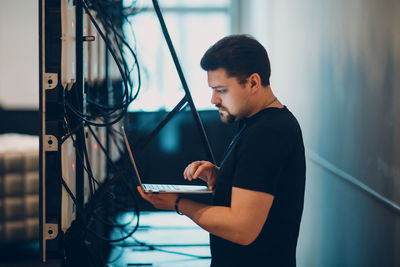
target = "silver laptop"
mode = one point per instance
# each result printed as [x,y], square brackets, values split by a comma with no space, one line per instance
[164,188]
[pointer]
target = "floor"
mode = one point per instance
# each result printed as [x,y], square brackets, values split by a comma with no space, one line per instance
[164,239]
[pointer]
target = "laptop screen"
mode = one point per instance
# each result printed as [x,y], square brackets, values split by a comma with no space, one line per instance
[128,147]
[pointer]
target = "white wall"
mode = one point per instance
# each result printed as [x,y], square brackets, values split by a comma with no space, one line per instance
[19,70]
[336,65]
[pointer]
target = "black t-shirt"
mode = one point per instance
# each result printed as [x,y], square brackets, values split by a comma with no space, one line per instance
[268,156]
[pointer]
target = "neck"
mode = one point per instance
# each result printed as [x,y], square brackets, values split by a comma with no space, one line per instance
[265,99]
[270,102]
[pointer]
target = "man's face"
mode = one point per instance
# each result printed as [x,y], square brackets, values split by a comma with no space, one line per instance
[229,96]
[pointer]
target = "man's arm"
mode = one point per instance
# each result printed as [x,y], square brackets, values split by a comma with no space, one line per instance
[241,223]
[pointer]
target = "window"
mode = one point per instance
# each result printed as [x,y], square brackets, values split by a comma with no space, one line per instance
[193,26]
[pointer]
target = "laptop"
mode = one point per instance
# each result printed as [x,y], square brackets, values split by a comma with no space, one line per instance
[164,188]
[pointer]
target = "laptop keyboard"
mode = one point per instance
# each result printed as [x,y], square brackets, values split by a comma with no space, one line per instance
[162,187]
[176,188]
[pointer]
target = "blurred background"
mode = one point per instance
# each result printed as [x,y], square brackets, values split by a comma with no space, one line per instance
[335,65]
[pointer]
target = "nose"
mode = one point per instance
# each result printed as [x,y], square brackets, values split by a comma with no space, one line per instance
[215,99]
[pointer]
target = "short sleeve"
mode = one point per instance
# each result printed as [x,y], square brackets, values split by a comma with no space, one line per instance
[260,158]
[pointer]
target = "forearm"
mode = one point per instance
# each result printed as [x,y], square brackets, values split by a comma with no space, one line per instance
[217,220]
[241,223]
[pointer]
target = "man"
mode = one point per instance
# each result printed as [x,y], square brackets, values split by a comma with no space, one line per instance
[259,185]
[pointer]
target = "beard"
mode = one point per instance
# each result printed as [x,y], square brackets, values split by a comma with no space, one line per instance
[225,116]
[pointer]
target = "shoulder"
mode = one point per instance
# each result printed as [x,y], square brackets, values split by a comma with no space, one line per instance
[272,122]
[277,122]
[275,128]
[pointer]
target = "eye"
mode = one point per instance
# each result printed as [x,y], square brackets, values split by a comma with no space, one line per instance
[222,91]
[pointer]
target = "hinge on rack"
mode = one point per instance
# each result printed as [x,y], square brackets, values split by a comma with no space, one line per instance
[50,143]
[50,231]
[50,80]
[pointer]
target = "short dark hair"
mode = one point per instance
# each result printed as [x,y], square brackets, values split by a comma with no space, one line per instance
[240,55]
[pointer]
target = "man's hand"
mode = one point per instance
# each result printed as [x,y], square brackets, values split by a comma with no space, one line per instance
[204,170]
[160,201]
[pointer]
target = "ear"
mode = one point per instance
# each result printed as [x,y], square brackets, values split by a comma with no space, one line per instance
[254,82]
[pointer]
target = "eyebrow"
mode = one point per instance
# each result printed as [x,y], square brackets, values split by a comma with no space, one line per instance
[218,86]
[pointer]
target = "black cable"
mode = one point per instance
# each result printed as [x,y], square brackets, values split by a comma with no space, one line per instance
[133,194]
[107,21]
[116,258]
[113,138]
[89,122]
[88,169]
[109,46]
[87,213]
[84,212]
[112,224]
[71,132]
[122,39]
[154,247]
[127,96]
[89,172]
[111,115]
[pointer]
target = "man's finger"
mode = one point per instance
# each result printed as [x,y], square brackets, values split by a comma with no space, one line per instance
[198,171]
[194,167]
[185,173]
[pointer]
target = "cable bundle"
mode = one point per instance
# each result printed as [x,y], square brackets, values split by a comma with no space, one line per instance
[111,16]
[104,205]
